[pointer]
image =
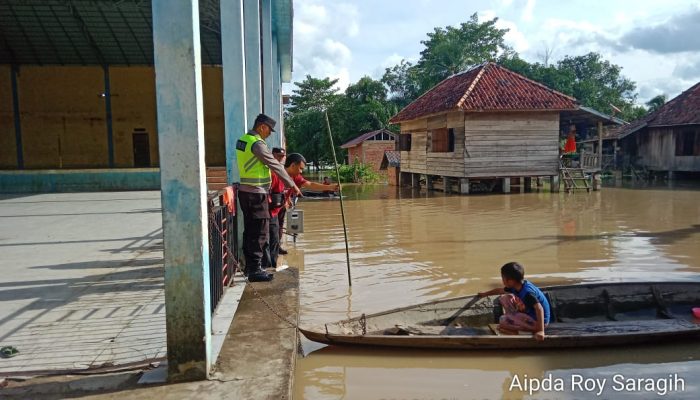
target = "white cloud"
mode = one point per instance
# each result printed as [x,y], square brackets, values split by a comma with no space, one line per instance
[320,33]
[527,14]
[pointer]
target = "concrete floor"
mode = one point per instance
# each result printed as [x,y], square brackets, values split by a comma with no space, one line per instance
[256,362]
[81,283]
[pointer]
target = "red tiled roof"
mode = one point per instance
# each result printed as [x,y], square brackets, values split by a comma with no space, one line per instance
[683,109]
[359,139]
[487,87]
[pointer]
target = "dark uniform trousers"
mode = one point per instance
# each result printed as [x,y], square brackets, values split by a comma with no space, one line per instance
[256,229]
[273,247]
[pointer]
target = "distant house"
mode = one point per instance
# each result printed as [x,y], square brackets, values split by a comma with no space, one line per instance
[487,123]
[392,164]
[369,147]
[666,140]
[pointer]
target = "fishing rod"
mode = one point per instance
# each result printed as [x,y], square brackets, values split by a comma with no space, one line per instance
[340,194]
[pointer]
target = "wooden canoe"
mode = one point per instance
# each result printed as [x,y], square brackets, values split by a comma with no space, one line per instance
[581,316]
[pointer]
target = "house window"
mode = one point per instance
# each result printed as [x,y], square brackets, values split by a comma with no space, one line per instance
[405,142]
[442,140]
[686,143]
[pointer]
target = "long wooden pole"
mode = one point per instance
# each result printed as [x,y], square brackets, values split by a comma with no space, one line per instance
[340,193]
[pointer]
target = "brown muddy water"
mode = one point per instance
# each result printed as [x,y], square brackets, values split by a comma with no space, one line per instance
[410,247]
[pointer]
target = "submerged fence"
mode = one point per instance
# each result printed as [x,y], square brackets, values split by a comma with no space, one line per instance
[223,243]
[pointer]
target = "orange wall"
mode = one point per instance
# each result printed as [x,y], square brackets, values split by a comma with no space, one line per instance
[64,119]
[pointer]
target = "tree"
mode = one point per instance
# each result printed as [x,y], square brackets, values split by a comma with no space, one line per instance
[599,84]
[313,94]
[593,81]
[304,118]
[656,102]
[447,51]
[451,49]
[362,108]
[403,83]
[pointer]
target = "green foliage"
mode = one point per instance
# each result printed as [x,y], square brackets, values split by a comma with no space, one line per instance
[362,108]
[451,49]
[593,81]
[656,102]
[447,51]
[403,83]
[356,173]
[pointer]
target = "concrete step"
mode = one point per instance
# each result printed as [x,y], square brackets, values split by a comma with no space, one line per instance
[216,179]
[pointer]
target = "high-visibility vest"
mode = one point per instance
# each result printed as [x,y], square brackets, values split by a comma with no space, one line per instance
[251,170]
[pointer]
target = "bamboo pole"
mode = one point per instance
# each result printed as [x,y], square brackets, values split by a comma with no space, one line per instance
[340,193]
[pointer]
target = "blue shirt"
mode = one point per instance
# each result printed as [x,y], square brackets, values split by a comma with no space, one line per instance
[531,295]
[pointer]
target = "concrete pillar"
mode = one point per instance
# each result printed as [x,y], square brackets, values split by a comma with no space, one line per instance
[554,183]
[17,116]
[108,117]
[506,185]
[527,184]
[251,37]
[232,55]
[464,186]
[180,115]
[447,186]
[429,182]
[268,69]
[277,91]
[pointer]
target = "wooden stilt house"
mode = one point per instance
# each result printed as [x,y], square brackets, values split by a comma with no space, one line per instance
[481,128]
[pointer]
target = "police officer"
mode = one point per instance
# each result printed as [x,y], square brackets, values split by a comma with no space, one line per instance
[254,164]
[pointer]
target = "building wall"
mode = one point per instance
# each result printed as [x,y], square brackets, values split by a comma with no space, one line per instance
[420,160]
[656,149]
[393,176]
[8,153]
[511,144]
[372,151]
[64,119]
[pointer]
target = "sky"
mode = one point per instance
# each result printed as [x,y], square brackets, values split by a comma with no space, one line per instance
[656,42]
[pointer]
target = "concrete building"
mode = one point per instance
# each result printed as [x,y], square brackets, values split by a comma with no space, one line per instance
[142,94]
[369,147]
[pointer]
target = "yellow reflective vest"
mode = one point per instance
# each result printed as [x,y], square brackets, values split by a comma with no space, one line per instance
[252,171]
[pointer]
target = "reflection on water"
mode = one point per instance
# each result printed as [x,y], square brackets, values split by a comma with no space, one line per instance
[409,248]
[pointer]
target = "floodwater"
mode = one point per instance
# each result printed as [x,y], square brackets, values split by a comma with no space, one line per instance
[409,247]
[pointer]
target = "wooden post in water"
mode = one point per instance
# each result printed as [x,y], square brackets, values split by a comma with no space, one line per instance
[554,183]
[528,184]
[446,188]
[506,185]
[416,181]
[464,185]
[600,146]
[429,182]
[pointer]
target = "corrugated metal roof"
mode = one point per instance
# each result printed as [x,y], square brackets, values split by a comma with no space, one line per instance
[359,139]
[487,87]
[391,159]
[110,32]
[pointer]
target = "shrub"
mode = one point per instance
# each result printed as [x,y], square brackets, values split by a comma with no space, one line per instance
[356,173]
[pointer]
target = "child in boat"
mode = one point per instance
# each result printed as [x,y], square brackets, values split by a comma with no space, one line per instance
[525,306]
